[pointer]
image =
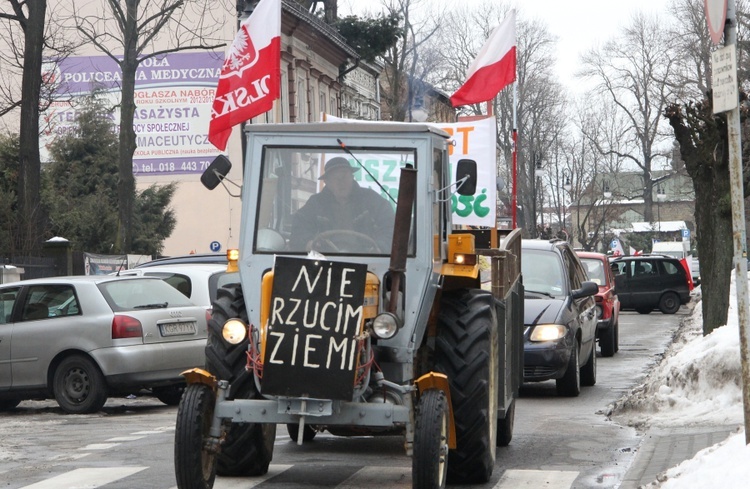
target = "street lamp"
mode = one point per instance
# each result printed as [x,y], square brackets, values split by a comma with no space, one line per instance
[567,186]
[660,197]
[538,173]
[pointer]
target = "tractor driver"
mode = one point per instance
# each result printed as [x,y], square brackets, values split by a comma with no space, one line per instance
[343,217]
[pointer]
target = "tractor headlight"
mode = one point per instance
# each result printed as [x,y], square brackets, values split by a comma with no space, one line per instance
[548,332]
[385,325]
[234,331]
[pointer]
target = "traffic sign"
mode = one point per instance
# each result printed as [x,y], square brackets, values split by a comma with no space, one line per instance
[724,79]
[716,17]
[215,246]
[685,233]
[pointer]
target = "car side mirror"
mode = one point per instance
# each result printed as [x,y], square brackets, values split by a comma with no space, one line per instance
[466,169]
[216,172]
[587,289]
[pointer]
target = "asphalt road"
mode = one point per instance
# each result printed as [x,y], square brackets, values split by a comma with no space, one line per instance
[558,443]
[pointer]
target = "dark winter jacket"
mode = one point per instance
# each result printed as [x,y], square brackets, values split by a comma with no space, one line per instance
[365,212]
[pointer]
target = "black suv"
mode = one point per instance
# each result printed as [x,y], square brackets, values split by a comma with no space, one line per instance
[559,317]
[648,282]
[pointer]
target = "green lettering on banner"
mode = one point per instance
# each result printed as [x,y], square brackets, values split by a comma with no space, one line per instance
[466,205]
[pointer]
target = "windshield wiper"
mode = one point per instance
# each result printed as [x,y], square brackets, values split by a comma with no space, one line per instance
[540,293]
[156,305]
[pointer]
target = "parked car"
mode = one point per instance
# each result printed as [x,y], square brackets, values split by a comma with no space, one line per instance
[197,281]
[559,317]
[648,282]
[82,339]
[607,303]
[220,258]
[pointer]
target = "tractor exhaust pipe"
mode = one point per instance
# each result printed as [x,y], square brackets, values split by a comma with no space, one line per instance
[407,191]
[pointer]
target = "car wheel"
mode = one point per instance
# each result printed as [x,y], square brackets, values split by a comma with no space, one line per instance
[570,383]
[607,341]
[430,459]
[467,351]
[79,386]
[505,426]
[169,395]
[588,371]
[617,336]
[194,458]
[669,303]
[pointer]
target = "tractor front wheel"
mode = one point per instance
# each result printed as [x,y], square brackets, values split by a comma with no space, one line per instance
[430,459]
[194,460]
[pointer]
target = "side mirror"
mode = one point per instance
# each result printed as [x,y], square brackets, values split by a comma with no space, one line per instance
[587,289]
[466,169]
[216,172]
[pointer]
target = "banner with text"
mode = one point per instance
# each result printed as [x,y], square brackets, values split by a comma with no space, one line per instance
[474,140]
[311,345]
[173,96]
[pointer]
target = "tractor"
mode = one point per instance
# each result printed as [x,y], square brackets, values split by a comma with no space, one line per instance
[408,328]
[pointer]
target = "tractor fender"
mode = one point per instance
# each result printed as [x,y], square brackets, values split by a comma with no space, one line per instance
[200,376]
[436,380]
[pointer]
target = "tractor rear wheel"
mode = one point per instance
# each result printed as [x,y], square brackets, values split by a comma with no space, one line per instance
[467,351]
[248,447]
[430,459]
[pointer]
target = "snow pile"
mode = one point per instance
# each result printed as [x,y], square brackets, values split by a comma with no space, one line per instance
[698,382]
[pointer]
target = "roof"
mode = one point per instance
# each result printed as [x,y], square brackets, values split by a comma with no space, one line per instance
[353,126]
[76,279]
[220,258]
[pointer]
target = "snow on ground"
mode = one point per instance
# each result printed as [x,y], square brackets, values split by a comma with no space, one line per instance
[698,382]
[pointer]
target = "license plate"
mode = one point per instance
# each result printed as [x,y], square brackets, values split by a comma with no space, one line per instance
[178,329]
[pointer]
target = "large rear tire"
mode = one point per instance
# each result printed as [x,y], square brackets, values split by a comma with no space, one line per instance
[248,447]
[194,463]
[430,459]
[467,351]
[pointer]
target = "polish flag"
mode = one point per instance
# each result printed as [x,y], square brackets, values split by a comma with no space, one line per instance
[250,77]
[494,67]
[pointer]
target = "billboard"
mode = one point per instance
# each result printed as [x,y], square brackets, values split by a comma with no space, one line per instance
[173,97]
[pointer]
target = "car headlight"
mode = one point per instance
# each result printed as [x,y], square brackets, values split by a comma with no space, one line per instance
[234,331]
[385,325]
[548,332]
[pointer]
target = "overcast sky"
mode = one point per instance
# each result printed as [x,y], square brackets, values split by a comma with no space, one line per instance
[578,24]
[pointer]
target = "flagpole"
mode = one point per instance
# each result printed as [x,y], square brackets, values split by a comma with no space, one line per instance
[514,199]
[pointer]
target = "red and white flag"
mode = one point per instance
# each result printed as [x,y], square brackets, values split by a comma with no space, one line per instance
[494,67]
[250,77]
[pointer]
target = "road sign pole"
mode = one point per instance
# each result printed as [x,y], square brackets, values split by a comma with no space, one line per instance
[738,227]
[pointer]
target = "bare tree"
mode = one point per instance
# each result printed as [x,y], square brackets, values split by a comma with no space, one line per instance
[404,69]
[30,16]
[129,32]
[636,71]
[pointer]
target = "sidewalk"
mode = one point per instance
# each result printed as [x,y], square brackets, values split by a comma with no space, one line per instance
[663,448]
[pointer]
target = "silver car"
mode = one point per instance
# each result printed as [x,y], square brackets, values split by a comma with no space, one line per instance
[198,281]
[82,339]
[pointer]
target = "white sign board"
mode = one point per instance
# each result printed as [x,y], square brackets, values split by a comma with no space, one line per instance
[724,79]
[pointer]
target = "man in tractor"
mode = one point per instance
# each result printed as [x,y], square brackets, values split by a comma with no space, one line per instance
[343,216]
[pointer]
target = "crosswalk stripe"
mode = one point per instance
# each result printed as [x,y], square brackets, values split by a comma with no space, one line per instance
[99,446]
[125,438]
[378,477]
[90,478]
[533,479]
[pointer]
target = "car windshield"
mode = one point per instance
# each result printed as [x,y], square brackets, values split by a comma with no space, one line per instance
[542,272]
[595,270]
[327,200]
[142,293]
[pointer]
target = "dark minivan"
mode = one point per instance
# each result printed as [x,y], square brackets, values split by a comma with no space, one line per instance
[648,282]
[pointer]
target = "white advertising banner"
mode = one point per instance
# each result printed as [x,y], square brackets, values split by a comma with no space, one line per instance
[474,140]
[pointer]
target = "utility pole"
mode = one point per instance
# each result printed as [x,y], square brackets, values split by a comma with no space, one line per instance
[724,61]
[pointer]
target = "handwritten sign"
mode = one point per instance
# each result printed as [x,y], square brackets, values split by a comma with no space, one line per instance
[316,315]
